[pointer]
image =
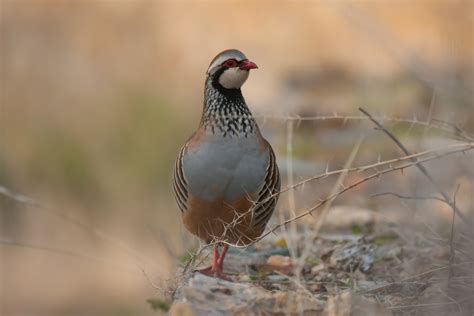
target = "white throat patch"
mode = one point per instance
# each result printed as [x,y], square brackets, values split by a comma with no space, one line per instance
[233,78]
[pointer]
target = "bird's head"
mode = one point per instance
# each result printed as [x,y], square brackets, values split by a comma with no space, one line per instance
[230,69]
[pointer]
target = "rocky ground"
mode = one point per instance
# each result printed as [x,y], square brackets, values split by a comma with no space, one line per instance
[368,267]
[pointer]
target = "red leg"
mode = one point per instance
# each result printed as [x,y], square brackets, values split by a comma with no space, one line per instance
[210,270]
[215,260]
[221,258]
[219,269]
[216,269]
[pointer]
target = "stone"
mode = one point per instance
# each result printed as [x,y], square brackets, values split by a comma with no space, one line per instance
[202,295]
[354,255]
[350,304]
[343,217]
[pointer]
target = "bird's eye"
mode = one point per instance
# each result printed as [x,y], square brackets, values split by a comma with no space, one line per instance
[230,63]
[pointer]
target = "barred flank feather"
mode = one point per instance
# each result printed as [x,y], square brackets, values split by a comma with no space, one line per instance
[179,182]
[267,197]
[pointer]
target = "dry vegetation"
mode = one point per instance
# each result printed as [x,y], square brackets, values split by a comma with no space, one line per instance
[364,263]
[97,96]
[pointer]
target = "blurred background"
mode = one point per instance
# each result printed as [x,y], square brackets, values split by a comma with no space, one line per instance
[98,96]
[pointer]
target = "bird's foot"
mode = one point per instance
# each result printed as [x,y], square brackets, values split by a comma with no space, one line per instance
[205,271]
[216,269]
[213,272]
[221,275]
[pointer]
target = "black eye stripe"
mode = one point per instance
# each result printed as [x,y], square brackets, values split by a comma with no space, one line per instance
[230,62]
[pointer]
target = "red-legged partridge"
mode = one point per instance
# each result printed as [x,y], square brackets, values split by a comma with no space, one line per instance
[226,178]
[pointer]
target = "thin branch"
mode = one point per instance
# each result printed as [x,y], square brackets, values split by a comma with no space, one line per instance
[378,288]
[23,199]
[339,183]
[152,283]
[313,233]
[451,237]
[291,195]
[375,175]
[10,243]
[419,166]
[451,299]
[405,197]
[431,123]
[433,154]
[421,305]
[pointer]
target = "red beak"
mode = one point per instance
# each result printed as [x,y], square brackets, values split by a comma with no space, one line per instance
[247,65]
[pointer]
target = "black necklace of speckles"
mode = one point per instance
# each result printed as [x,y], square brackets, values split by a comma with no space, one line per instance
[225,110]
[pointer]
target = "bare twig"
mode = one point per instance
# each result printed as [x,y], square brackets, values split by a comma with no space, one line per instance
[431,123]
[428,153]
[419,166]
[291,193]
[374,175]
[313,233]
[406,197]
[434,270]
[23,199]
[152,283]
[339,183]
[460,309]
[11,243]
[421,305]
[193,256]
[451,237]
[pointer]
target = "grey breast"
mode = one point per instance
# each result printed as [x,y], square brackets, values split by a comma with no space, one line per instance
[225,167]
